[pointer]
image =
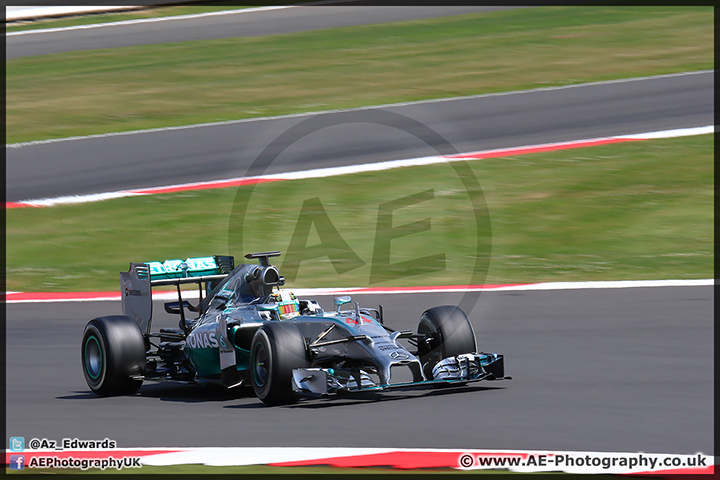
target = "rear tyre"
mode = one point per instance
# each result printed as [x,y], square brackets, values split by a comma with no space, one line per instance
[113,351]
[277,348]
[448,333]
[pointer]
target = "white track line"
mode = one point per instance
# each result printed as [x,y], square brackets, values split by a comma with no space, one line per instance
[609,284]
[369,167]
[570,462]
[28,13]
[679,132]
[370,107]
[20,297]
[147,20]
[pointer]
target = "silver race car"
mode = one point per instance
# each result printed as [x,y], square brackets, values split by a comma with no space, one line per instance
[247,330]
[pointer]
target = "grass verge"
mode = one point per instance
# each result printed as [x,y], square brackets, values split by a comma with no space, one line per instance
[630,211]
[207,81]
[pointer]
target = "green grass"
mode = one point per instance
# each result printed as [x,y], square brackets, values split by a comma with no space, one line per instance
[629,211]
[207,81]
[93,18]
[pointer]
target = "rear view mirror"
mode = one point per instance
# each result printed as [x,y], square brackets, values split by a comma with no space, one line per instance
[342,300]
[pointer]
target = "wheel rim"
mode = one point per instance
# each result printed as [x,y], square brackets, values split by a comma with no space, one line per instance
[93,357]
[260,365]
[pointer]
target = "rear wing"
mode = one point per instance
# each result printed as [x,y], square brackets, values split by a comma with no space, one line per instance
[192,267]
[136,284]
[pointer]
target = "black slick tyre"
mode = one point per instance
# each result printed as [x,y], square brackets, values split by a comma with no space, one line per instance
[277,348]
[448,332]
[113,352]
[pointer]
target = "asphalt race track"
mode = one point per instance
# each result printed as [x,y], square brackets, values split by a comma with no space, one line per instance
[600,370]
[626,370]
[150,159]
[246,24]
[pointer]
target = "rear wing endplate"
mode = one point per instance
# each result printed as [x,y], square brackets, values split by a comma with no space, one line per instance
[136,284]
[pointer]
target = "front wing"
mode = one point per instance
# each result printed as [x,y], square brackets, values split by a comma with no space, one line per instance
[461,369]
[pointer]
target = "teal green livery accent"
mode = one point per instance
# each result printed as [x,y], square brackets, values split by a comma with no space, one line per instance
[201,348]
[242,356]
[191,267]
[207,362]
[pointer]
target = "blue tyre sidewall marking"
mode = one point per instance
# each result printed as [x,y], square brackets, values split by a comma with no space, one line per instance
[98,378]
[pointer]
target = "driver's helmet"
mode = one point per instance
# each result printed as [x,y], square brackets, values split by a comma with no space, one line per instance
[288,304]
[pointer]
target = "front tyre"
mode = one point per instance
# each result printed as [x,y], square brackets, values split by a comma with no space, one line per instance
[277,349]
[448,333]
[113,351]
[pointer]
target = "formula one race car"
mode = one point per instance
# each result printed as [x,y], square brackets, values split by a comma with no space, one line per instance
[248,331]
